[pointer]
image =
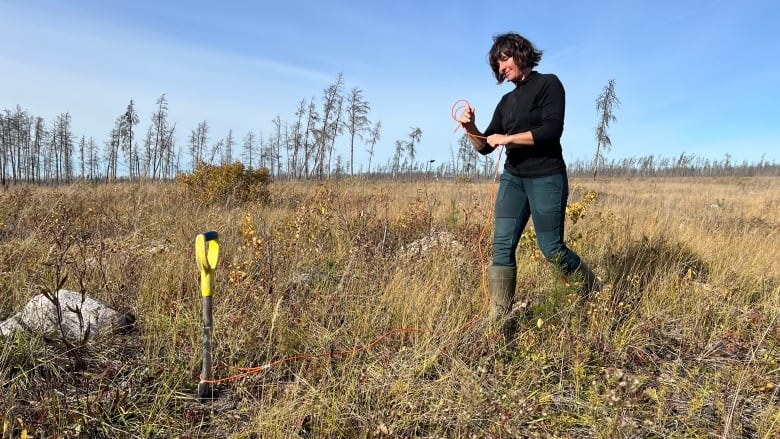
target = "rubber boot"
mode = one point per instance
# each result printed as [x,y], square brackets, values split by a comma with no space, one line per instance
[590,283]
[501,282]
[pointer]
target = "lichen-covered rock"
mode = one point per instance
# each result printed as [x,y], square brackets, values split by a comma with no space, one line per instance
[79,314]
[436,244]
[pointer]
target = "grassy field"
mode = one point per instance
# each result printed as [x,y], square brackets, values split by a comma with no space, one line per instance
[367,300]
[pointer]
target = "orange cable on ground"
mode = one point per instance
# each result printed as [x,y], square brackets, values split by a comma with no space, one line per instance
[246,371]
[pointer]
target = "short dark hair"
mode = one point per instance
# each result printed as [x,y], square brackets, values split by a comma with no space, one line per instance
[518,47]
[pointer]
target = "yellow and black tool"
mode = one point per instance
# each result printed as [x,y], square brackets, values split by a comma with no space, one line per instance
[206,255]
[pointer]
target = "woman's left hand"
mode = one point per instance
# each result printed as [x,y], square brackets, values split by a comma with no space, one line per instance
[495,140]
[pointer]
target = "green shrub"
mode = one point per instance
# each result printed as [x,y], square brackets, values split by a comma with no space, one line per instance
[227,183]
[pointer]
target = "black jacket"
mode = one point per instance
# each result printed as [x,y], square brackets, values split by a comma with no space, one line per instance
[537,104]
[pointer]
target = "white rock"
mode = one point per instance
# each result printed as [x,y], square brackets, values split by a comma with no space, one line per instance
[78,313]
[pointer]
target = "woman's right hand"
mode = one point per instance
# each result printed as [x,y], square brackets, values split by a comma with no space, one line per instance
[467,116]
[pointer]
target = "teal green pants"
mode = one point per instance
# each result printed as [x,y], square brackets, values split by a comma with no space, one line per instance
[544,200]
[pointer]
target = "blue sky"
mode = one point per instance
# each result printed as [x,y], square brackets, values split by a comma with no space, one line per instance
[697,76]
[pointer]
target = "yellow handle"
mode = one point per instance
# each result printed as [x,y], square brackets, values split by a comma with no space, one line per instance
[207,255]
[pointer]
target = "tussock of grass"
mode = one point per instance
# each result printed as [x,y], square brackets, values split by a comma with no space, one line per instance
[683,341]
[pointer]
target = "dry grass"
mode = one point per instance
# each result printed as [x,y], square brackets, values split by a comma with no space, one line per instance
[682,343]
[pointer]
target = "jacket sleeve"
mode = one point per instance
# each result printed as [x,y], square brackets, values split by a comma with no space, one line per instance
[494,127]
[552,103]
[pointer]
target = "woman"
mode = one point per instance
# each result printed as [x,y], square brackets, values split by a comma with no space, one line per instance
[528,121]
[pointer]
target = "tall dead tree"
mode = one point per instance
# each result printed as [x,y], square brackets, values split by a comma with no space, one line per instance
[159,139]
[197,143]
[249,148]
[357,121]
[126,122]
[309,138]
[374,136]
[606,104]
[62,143]
[414,137]
[229,142]
[329,123]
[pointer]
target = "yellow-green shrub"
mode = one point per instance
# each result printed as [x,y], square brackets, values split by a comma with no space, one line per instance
[227,183]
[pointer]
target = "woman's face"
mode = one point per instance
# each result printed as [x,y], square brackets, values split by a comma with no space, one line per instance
[509,69]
